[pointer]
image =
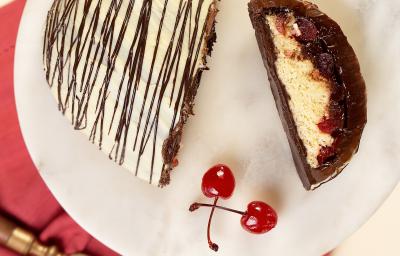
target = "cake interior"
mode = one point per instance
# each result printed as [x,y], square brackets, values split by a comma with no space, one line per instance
[309,85]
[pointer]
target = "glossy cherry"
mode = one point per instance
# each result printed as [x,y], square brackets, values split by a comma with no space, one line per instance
[326,154]
[326,64]
[259,218]
[328,125]
[308,30]
[218,181]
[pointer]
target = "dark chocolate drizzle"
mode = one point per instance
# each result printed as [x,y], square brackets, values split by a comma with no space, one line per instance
[63,66]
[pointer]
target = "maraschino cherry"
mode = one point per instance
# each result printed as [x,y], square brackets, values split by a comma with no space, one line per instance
[219,182]
[258,219]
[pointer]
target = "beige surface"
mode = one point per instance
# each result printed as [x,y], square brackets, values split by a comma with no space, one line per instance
[4,2]
[380,235]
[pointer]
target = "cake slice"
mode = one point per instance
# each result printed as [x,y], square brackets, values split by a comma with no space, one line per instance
[317,85]
[126,73]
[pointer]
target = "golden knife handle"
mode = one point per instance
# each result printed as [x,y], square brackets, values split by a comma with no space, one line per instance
[6,229]
[23,241]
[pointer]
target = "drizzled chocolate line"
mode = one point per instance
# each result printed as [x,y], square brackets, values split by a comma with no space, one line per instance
[61,63]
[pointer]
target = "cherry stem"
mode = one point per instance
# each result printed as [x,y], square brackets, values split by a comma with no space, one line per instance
[196,206]
[212,245]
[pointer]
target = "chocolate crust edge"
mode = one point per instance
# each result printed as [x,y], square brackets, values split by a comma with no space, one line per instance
[356,99]
[171,145]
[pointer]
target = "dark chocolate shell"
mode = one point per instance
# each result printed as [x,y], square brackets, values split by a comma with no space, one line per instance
[355,110]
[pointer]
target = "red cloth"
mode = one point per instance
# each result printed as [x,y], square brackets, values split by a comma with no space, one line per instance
[23,194]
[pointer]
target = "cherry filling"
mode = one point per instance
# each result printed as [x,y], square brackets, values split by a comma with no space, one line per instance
[328,125]
[326,154]
[281,23]
[308,34]
[308,30]
[326,64]
[332,124]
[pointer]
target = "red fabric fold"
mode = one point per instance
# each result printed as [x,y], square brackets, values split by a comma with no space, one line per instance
[73,237]
[23,193]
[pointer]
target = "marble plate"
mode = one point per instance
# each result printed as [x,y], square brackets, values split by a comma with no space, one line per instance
[236,123]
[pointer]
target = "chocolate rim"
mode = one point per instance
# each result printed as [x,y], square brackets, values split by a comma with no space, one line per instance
[346,60]
[171,145]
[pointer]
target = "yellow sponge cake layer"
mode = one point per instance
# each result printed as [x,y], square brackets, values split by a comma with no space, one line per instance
[308,92]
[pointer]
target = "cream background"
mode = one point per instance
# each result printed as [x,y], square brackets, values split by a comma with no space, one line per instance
[380,235]
[4,2]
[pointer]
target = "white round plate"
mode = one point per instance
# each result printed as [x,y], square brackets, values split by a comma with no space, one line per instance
[236,123]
